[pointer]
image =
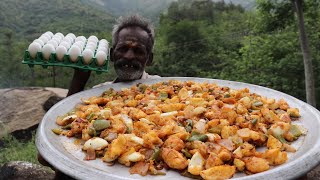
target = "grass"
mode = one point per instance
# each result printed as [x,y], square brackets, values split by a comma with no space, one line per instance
[15,150]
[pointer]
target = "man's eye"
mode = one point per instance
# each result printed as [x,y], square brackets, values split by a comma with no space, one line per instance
[122,49]
[139,51]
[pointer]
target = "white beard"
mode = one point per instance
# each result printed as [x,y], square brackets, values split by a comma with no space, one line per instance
[125,75]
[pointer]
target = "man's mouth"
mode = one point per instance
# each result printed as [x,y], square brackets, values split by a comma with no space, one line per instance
[128,69]
[128,65]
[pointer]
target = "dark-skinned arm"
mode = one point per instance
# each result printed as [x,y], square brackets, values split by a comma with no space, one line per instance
[79,81]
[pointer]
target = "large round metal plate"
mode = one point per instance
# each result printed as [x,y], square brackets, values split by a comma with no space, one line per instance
[66,156]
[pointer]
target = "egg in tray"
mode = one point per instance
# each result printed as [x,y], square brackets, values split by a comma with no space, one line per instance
[69,51]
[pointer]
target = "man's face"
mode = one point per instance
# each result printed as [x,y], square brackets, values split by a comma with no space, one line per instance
[130,55]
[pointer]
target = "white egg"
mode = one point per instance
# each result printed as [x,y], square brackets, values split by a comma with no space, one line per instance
[65,44]
[59,34]
[56,39]
[103,49]
[53,42]
[87,55]
[71,35]
[91,44]
[60,52]
[103,45]
[69,39]
[46,36]
[44,39]
[39,41]
[101,58]
[91,48]
[79,44]
[74,52]
[80,38]
[49,33]
[103,41]
[33,49]
[93,39]
[47,50]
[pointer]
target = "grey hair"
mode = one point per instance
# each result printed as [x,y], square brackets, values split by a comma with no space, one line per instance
[133,21]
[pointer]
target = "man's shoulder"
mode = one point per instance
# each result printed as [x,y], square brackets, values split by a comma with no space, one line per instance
[144,76]
[148,76]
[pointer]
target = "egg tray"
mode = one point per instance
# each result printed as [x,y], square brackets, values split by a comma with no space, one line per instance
[65,62]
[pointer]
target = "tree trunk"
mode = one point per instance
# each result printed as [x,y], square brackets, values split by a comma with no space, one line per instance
[308,68]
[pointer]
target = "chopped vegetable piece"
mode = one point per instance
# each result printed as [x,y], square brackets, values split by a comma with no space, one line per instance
[295,131]
[163,96]
[254,121]
[197,137]
[90,116]
[156,155]
[57,131]
[216,130]
[101,124]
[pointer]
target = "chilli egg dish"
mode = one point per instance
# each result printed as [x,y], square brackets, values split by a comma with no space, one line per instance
[200,130]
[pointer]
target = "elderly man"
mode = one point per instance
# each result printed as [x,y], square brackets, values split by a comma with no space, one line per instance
[131,52]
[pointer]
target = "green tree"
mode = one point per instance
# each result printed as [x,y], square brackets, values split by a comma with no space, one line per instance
[272,50]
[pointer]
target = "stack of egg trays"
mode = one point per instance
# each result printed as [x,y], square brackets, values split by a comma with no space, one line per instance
[66,62]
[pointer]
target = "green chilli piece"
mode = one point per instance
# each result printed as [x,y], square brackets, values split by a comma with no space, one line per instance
[156,154]
[216,130]
[67,127]
[186,153]
[254,121]
[163,96]
[90,116]
[280,138]
[57,131]
[92,132]
[129,130]
[101,124]
[295,131]
[256,105]
[189,125]
[197,137]
[142,88]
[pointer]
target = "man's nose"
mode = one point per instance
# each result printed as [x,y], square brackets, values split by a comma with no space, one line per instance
[129,54]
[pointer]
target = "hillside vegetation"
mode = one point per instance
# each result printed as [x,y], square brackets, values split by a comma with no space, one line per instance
[33,17]
[23,21]
[148,8]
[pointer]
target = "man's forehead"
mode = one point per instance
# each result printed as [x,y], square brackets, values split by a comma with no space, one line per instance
[135,34]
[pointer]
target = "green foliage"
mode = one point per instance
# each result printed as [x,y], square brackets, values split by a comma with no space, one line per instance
[198,38]
[274,15]
[23,21]
[149,9]
[272,60]
[15,150]
[273,56]
[32,18]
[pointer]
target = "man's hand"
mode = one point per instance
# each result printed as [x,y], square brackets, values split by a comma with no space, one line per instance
[79,81]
